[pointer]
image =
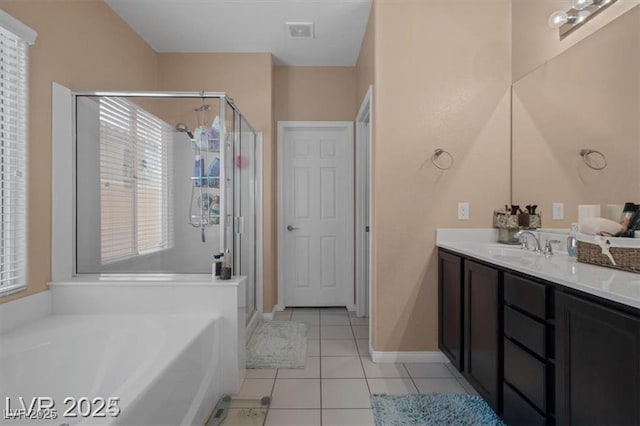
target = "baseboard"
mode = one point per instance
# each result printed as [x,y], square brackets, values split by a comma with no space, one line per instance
[408,357]
[268,316]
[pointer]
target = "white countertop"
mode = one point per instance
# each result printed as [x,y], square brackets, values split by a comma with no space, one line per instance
[611,284]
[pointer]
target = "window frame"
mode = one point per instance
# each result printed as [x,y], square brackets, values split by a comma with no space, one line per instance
[14,189]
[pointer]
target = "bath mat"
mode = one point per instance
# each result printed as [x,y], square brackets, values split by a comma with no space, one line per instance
[432,409]
[278,344]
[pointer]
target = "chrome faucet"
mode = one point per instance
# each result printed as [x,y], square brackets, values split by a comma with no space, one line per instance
[519,234]
[548,248]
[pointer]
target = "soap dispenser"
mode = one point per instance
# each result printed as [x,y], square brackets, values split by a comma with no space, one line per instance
[572,241]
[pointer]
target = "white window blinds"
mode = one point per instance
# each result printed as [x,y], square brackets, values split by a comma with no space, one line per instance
[135,190]
[13,158]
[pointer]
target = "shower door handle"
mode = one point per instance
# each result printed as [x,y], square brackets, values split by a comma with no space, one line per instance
[291,228]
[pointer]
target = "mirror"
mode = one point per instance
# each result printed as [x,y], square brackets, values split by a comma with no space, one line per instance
[586,98]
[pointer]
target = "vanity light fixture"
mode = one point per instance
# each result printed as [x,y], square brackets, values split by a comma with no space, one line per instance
[581,11]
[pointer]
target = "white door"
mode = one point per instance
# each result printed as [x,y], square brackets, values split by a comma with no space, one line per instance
[316,211]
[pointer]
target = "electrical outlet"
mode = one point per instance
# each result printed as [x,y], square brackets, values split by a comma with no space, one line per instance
[558,211]
[463,211]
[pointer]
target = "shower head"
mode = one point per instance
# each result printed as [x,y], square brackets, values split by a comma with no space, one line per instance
[203,107]
[181,127]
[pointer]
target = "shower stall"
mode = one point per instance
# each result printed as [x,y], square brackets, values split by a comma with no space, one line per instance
[165,181]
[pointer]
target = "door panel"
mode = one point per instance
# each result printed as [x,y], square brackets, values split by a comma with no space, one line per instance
[482,331]
[597,362]
[317,215]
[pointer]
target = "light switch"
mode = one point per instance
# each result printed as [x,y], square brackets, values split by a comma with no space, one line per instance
[463,211]
[558,211]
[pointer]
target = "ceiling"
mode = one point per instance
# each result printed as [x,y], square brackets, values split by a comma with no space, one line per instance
[251,26]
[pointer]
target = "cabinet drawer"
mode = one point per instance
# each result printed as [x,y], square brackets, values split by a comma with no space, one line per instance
[525,294]
[525,373]
[526,331]
[517,411]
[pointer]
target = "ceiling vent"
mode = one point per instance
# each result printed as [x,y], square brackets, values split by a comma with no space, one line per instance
[300,30]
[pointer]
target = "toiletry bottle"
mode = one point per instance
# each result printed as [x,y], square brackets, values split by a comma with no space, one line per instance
[217,265]
[198,170]
[225,272]
[572,241]
[213,173]
[214,212]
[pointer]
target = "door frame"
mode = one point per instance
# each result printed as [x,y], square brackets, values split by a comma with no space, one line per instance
[282,126]
[363,168]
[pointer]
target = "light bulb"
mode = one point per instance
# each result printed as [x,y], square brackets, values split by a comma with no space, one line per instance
[558,19]
[582,15]
[581,4]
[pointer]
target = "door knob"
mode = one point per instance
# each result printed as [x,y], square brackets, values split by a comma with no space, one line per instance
[291,228]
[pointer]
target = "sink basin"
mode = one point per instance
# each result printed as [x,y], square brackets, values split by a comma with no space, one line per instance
[513,254]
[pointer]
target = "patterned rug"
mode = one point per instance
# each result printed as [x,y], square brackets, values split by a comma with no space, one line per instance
[278,344]
[432,409]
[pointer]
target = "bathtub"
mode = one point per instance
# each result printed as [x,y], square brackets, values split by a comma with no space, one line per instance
[168,346]
[162,368]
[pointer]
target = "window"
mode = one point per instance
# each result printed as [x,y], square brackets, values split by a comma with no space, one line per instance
[14,40]
[135,192]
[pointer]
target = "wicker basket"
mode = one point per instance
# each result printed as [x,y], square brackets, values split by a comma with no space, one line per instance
[625,251]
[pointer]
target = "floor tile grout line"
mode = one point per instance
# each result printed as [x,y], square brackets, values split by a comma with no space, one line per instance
[320,367]
[411,377]
[270,398]
[366,379]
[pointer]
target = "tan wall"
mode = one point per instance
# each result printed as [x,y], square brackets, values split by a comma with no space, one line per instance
[364,65]
[85,46]
[587,97]
[315,93]
[534,43]
[248,79]
[456,54]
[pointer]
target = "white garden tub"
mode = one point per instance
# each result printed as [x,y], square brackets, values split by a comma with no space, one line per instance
[162,368]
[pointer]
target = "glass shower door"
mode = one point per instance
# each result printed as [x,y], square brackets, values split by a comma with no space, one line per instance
[245,179]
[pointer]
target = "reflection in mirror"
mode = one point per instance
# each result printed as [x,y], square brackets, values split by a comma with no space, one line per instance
[587,98]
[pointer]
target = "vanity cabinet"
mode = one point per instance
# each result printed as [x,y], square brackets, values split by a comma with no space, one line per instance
[450,312]
[597,364]
[482,331]
[539,353]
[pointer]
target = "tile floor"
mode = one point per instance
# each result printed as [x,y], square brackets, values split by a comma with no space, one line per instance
[339,376]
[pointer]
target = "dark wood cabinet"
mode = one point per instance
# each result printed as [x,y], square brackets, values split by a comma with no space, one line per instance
[450,312]
[597,363]
[482,332]
[539,353]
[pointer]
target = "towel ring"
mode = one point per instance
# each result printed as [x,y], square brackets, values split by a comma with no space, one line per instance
[436,154]
[585,153]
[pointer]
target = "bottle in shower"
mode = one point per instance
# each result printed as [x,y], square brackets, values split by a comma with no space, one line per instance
[217,265]
[198,170]
[225,272]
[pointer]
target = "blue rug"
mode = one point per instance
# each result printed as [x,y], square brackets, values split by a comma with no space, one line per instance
[432,409]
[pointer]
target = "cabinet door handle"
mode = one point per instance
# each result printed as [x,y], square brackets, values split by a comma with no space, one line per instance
[291,228]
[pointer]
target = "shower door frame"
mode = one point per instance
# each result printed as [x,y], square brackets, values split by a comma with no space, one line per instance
[64,202]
